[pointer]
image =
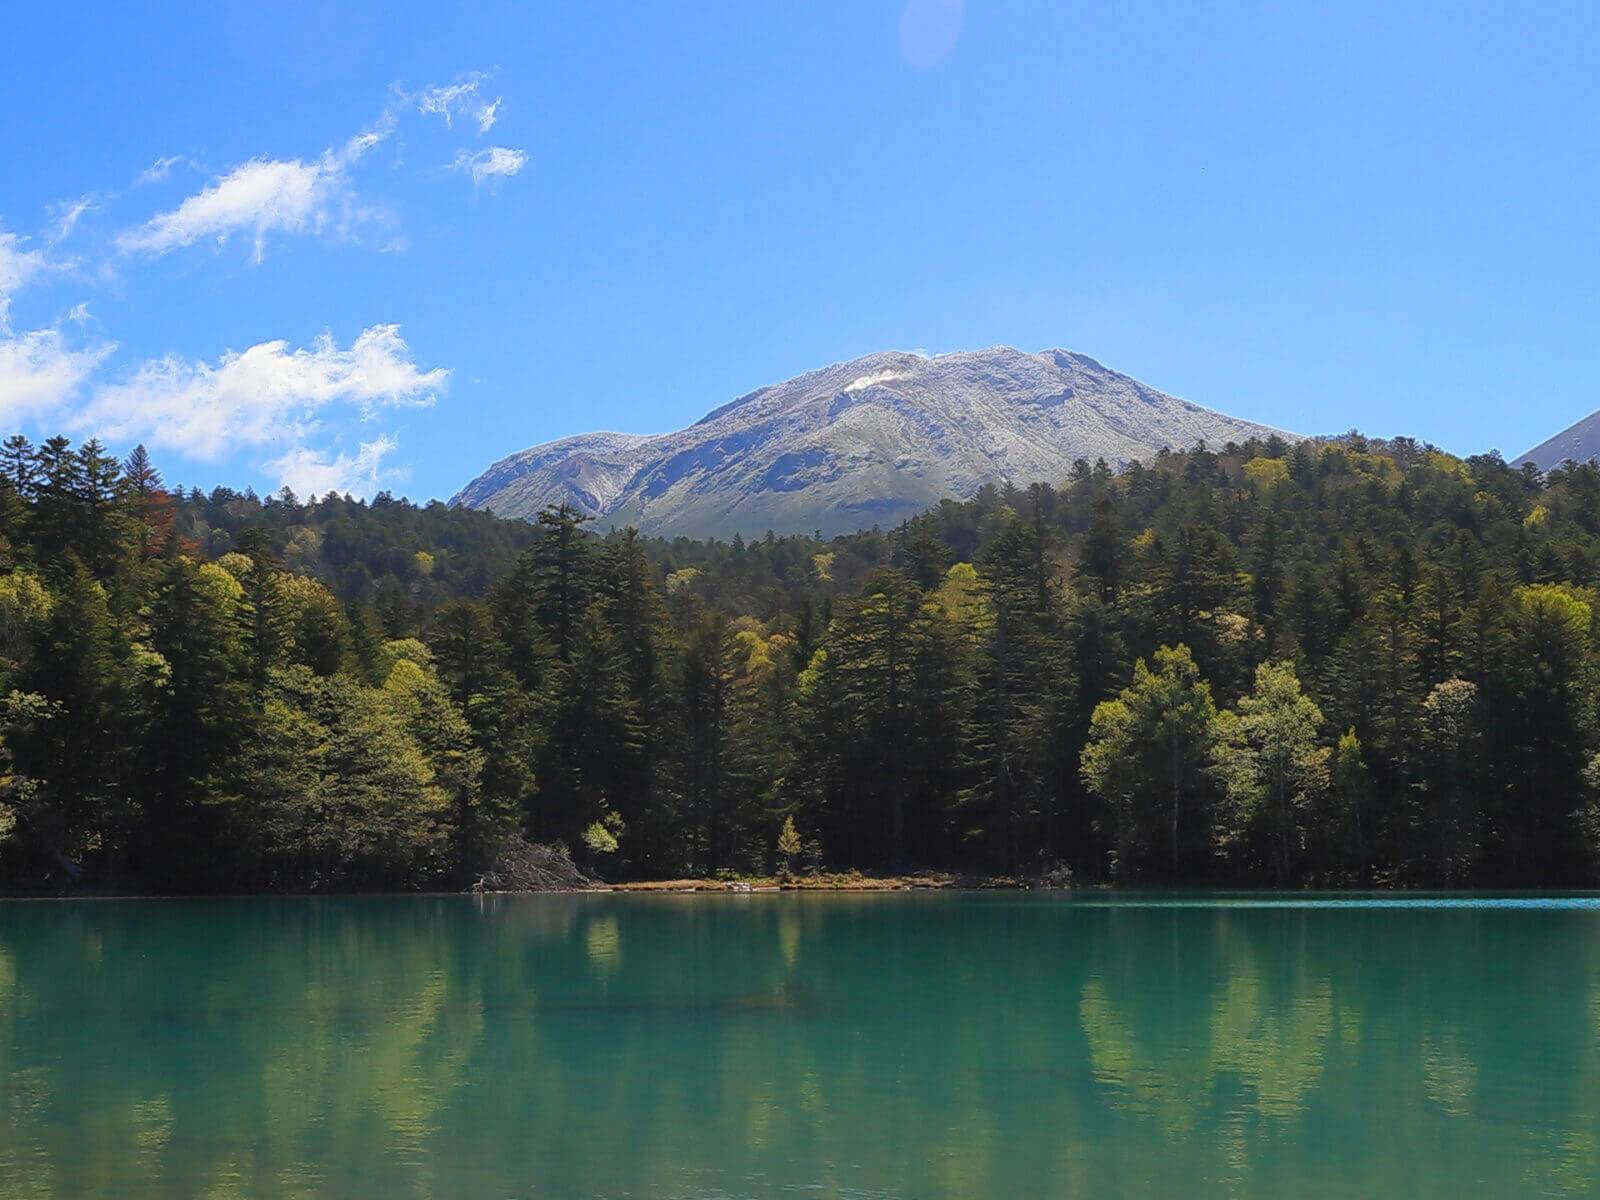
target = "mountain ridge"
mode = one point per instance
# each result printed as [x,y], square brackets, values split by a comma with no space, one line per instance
[1579,442]
[870,440]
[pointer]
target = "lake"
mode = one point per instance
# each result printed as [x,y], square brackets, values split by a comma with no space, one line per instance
[1001,1045]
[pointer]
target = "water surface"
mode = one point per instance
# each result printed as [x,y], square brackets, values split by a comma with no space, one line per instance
[907,1046]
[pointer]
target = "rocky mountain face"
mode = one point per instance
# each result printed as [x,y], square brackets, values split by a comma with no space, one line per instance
[1579,442]
[867,442]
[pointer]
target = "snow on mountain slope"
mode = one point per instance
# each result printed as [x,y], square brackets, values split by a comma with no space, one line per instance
[856,444]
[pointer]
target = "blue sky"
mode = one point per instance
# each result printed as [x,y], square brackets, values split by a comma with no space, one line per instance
[381,245]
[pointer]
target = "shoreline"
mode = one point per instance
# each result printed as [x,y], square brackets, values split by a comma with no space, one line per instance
[846,883]
[841,882]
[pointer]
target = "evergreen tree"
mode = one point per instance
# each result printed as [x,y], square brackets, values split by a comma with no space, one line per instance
[199,714]
[231,691]
[1024,702]
[1446,849]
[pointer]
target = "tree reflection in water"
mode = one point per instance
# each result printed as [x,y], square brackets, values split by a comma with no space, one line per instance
[905,1046]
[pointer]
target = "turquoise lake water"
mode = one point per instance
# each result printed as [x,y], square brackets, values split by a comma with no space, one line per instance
[907,1046]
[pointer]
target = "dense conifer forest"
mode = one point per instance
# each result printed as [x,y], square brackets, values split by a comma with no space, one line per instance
[1339,663]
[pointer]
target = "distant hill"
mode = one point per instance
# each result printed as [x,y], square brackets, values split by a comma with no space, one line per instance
[1579,442]
[871,441]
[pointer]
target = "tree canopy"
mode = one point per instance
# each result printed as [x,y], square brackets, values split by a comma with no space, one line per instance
[1341,662]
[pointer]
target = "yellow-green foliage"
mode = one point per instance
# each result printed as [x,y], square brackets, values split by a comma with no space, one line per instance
[681,578]
[1378,467]
[599,839]
[403,650]
[405,679]
[1536,519]
[1561,605]
[789,845]
[147,666]
[961,598]
[235,564]
[332,770]
[220,587]
[1266,473]
[754,654]
[424,562]
[422,702]
[300,595]
[1447,464]
[25,604]
[1150,752]
[779,646]
[807,682]
[822,565]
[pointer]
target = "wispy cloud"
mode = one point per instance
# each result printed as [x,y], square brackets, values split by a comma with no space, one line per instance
[268,395]
[18,267]
[268,196]
[317,472]
[66,215]
[446,102]
[41,370]
[159,170]
[262,197]
[463,98]
[496,161]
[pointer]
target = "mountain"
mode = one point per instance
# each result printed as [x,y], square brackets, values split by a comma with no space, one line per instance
[1579,442]
[871,441]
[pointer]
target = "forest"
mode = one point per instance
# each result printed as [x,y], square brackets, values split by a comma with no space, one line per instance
[1336,663]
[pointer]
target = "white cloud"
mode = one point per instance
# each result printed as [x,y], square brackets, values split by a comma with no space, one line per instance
[67,213]
[459,99]
[452,100]
[268,395]
[260,197]
[17,268]
[40,373]
[158,170]
[363,141]
[442,101]
[312,473]
[490,163]
[266,196]
[39,370]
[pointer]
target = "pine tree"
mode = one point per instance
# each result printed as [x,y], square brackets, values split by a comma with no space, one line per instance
[504,719]
[19,463]
[1024,699]
[199,714]
[595,735]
